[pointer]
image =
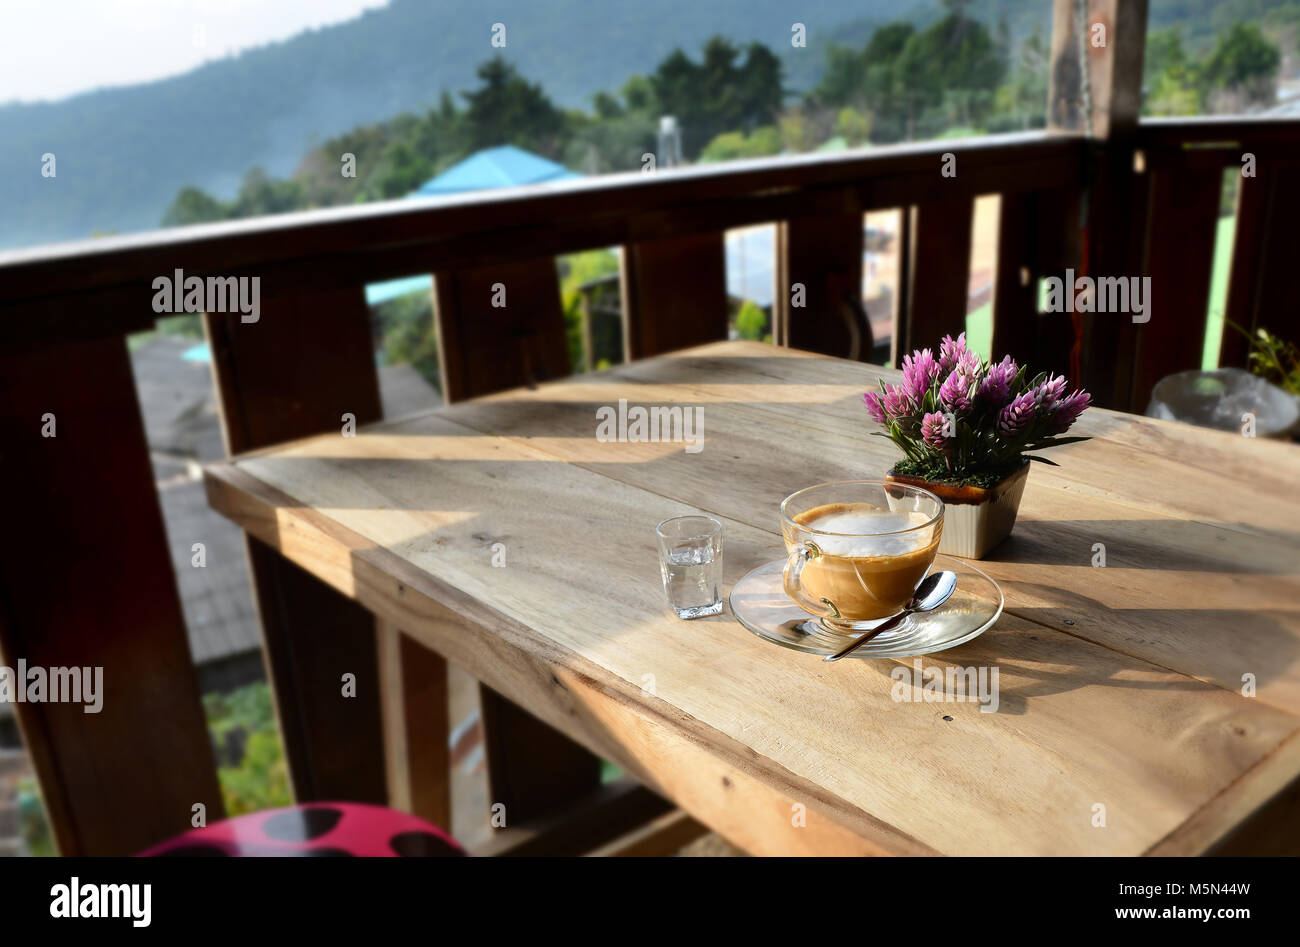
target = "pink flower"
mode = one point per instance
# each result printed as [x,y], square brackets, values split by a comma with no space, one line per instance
[1016,415]
[1068,409]
[956,391]
[996,386]
[919,370]
[932,430]
[874,408]
[897,402]
[952,352]
[1049,391]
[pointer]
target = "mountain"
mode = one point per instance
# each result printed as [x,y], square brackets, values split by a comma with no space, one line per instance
[123,153]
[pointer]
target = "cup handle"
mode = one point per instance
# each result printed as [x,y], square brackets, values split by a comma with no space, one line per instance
[800,556]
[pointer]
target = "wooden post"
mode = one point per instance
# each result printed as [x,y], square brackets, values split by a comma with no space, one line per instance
[674,294]
[416,726]
[938,273]
[499,327]
[1095,91]
[86,582]
[1179,258]
[305,364]
[533,769]
[824,256]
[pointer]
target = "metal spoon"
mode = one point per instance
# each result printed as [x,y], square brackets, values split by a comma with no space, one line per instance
[935,589]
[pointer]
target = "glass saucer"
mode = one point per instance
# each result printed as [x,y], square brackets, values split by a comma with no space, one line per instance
[760,604]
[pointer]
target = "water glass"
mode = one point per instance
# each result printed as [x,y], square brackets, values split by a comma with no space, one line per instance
[690,558]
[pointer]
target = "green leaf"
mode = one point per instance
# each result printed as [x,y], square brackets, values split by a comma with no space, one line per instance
[1044,443]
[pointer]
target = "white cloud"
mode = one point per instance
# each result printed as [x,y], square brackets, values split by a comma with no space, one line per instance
[54,48]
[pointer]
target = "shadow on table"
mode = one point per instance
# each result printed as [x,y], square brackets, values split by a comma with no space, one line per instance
[1044,658]
[1157,544]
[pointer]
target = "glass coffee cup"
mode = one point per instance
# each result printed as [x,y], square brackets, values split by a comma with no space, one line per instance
[858,549]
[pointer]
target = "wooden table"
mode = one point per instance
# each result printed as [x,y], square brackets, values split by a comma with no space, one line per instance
[1121,687]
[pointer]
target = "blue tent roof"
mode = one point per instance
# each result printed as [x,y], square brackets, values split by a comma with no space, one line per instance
[505,166]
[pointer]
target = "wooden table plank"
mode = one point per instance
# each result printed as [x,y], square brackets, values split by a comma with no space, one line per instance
[1244,583]
[425,499]
[1182,468]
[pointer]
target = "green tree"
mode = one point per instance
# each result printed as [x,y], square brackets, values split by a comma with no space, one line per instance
[721,93]
[639,94]
[606,106]
[730,146]
[259,194]
[507,109]
[751,321]
[1021,100]
[1244,62]
[407,334]
[852,125]
[953,60]
[404,171]
[193,206]
[844,79]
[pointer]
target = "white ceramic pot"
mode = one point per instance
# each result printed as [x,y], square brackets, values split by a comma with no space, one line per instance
[975,519]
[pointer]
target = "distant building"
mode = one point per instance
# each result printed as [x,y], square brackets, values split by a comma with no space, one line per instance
[504,166]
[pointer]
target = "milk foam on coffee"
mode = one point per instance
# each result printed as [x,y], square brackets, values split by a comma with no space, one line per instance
[866,523]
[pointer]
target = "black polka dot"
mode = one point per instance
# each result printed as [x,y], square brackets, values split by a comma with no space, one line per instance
[195,851]
[301,825]
[321,852]
[422,845]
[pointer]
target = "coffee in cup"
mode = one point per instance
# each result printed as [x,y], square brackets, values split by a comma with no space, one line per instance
[859,549]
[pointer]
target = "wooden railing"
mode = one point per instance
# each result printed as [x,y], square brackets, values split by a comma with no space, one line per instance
[86,580]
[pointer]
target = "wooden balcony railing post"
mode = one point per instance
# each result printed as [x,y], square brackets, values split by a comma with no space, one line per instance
[499,327]
[86,582]
[1034,242]
[417,724]
[938,272]
[533,769]
[674,293]
[307,362]
[1096,91]
[1179,259]
[824,255]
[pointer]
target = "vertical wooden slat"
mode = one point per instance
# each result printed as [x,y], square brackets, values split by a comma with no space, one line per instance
[308,361]
[1115,211]
[1015,306]
[533,769]
[902,299]
[484,346]
[674,293]
[86,581]
[824,255]
[938,273]
[1184,211]
[1037,239]
[1265,281]
[415,695]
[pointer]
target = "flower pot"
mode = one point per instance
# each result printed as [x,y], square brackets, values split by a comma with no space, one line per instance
[975,519]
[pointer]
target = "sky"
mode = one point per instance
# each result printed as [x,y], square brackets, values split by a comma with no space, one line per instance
[50,49]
